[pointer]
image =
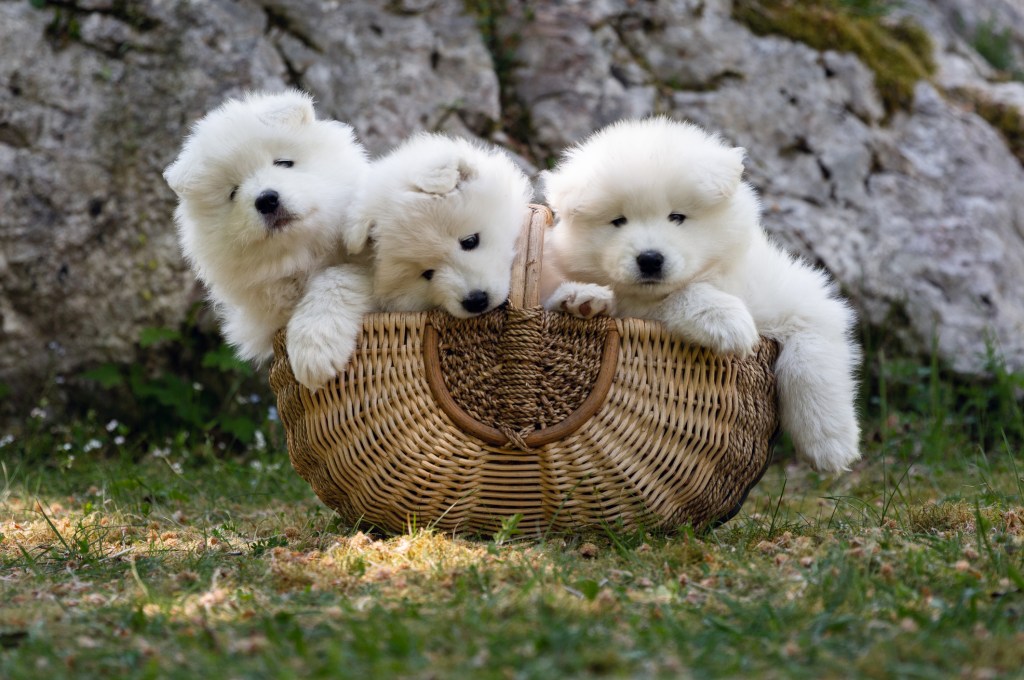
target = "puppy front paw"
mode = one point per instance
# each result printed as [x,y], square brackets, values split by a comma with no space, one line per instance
[584,300]
[732,331]
[718,321]
[317,354]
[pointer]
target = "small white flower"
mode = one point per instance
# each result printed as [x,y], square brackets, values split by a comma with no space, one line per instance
[112,425]
[119,440]
[7,439]
[161,453]
[272,414]
[197,387]
[176,466]
[256,465]
[261,441]
[92,445]
[67,447]
[254,398]
[37,412]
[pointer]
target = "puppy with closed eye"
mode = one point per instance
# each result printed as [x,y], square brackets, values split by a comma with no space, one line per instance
[443,215]
[654,221]
[264,198]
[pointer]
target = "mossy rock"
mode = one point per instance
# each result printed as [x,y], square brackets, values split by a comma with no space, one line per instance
[1006,118]
[899,54]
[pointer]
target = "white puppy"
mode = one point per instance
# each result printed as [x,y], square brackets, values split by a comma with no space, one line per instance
[264,192]
[655,222]
[443,215]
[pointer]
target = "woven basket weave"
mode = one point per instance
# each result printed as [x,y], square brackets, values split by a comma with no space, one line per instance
[461,423]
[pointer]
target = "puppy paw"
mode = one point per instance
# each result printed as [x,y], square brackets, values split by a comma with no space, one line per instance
[315,363]
[736,334]
[712,318]
[584,300]
[832,455]
[319,349]
[726,330]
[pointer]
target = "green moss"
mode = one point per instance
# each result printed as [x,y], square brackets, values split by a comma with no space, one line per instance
[899,54]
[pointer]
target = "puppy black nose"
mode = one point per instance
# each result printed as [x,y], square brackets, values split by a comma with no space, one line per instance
[649,263]
[267,202]
[475,302]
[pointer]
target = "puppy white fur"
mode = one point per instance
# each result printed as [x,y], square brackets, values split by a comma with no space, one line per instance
[264,192]
[655,222]
[443,215]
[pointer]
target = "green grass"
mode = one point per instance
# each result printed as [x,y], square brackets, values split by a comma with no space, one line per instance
[185,560]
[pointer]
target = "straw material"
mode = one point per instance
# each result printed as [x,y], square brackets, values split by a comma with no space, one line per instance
[458,424]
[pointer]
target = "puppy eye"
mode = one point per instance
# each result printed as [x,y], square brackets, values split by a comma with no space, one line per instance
[231,196]
[429,274]
[470,242]
[678,218]
[284,163]
[618,221]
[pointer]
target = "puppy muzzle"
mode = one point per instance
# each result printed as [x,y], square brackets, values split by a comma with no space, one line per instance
[268,204]
[476,302]
[650,266]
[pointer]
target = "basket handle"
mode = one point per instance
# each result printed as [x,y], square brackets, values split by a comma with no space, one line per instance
[525,287]
[524,294]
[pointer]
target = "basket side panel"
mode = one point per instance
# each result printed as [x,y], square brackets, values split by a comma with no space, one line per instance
[371,443]
[682,436]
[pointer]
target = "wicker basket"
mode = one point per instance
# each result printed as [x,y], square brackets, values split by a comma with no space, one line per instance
[458,424]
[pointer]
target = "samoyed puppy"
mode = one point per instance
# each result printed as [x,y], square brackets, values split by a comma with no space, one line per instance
[264,199]
[443,215]
[654,221]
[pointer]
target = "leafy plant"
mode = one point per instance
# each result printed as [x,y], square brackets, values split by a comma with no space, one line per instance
[994,45]
[204,387]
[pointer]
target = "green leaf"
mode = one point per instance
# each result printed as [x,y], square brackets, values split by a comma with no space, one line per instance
[152,336]
[224,360]
[243,429]
[589,587]
[107,375]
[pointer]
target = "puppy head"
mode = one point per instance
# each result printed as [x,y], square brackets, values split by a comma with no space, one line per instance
[444,215]
[647,206]
[262,183]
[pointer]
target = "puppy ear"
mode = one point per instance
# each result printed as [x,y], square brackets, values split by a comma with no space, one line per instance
[359,235]
[289,109]
[723,170]
[442,180]
[561,192]
[180,174]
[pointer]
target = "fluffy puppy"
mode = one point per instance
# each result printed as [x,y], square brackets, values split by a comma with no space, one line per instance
[655,222]
[264,193]
[443,215]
